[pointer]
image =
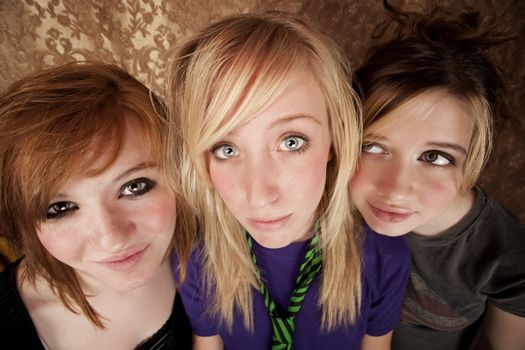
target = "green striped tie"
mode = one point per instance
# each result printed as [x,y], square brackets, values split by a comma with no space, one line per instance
[283,325]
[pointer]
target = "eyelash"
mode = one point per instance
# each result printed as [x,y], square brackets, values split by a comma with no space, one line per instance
[372,144]
[216,148]
[66,207]
[450,158]
[303,147]
[69,207]
[148,186]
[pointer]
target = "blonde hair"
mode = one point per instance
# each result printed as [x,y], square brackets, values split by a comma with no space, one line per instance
[47,122]
[221,78]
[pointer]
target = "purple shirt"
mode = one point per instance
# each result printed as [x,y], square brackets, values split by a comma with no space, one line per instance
[386,263]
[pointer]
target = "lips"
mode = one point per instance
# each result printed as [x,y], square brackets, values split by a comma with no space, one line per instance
[390,214]
[269,224]
[124,260]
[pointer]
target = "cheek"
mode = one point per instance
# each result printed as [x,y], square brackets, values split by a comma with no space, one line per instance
[438,193]
[307,178]
[316,177]
[59,241]
[359,181]
[225,184]
[161,215]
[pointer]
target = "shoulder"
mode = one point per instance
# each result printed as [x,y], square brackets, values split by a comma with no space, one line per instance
[493,230]
[175,333]
[386,261]
[181,323]
[380,250]
[495,216]
[484,233]
[386,265]
[195,264]
[16,327]
[194,278]
[195,296]
[10,301]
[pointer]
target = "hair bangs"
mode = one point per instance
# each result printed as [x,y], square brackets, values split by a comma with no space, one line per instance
[249,81]
[253,69]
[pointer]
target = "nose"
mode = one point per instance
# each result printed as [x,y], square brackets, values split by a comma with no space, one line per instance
[261,181]
[396,181]
[112,227]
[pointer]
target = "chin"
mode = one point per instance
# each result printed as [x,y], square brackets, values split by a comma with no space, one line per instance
[392,233]
[389,230]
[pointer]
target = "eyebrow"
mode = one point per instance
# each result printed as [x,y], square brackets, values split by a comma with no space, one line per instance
[293,117]
[285,120]
[138,167]
[448,145]
[453,146]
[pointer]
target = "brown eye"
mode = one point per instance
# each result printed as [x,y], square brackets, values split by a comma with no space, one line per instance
[437,158]
[59,209]
[136,187]
[430,157]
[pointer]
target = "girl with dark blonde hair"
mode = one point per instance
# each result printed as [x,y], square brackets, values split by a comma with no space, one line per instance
[271,131]
[431,97]
[85,202]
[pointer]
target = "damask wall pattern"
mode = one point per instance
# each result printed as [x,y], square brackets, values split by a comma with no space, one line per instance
[139,34]
[135,34]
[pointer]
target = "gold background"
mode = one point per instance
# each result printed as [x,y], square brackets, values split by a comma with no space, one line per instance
[137,35]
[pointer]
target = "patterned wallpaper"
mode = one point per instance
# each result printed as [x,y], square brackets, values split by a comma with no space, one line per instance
[138,34]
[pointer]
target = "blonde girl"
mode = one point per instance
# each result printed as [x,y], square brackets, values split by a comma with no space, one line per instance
[271,132]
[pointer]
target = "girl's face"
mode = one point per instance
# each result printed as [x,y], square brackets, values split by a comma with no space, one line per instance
[271,171]
[114,228]
[410,170]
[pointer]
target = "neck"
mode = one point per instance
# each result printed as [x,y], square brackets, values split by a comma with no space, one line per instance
[276,241]
[160,285]
[452,215]
[152,301]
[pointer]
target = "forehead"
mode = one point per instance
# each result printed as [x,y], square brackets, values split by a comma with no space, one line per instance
[435,115]
[302,99]
[130,144]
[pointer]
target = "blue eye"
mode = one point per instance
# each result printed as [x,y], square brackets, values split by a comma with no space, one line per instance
[437,158]
[224,152]
[59,209]
[136,187]
[293,143]
[373,148]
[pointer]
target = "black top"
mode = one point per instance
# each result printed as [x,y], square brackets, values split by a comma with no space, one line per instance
[18,332]
[454,274]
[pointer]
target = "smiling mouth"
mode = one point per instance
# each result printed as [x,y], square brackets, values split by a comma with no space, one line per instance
[269,224]
[124,261]
[388,215]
